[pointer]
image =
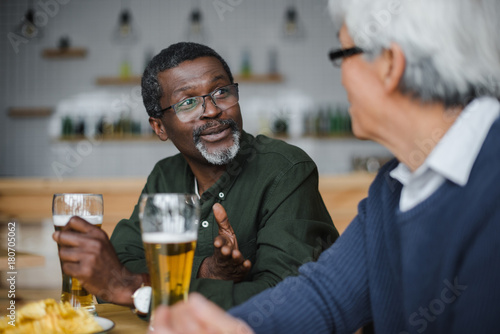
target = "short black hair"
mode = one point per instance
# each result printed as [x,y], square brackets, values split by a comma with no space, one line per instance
[168,58]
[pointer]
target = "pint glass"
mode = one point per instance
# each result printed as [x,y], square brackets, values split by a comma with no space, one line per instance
[90,208]
[169,224]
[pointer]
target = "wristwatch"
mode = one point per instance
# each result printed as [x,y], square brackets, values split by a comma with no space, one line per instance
[142,299]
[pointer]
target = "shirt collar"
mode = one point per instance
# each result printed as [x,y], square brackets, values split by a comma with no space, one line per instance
[454,155]
[234,168]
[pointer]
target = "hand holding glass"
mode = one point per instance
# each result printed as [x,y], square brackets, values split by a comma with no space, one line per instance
[90,208]
[169,224]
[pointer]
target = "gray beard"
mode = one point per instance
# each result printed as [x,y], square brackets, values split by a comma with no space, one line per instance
[222,156]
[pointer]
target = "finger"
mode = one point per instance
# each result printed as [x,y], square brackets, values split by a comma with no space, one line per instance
[71,269]
[182,321]
[56,235]
[220,241]
[237,257]
[160,323]
[239,260]
[221,219]
[214,319]
[70,254]
[223,253]
[70,238]
[226,251]
[82,226]
[247,264]
[78,224]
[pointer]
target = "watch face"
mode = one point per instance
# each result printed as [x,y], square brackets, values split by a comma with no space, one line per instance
[142,299]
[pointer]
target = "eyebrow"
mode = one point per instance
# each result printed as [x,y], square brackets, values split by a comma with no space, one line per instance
[220,76]
[189,87]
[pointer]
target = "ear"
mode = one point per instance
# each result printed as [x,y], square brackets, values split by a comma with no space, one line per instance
[394,67]
[158,128]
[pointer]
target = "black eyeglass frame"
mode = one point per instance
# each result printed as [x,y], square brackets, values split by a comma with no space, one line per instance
[336,56]
[202,96]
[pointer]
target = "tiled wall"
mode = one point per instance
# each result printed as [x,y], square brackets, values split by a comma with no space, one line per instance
[27,79]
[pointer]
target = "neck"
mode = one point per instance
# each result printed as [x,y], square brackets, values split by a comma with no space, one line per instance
[206,175]
[416,129]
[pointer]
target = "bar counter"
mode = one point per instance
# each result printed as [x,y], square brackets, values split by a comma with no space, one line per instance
[29,200]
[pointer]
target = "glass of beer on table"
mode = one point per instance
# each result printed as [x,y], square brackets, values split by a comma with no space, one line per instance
[169,224]
[90,208]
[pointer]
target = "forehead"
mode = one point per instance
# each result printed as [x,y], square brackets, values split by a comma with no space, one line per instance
[191,74]
[344,37]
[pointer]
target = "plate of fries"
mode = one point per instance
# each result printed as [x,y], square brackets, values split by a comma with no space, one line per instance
[48,316]
[105,324]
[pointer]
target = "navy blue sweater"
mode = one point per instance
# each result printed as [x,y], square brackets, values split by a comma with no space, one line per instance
[432,269]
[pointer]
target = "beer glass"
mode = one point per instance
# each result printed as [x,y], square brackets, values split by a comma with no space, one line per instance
[90,208]
[169,224]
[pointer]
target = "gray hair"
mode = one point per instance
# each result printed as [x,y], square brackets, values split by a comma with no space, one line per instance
[452,47]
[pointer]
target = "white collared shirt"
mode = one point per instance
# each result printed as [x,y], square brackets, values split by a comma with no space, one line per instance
[453,156]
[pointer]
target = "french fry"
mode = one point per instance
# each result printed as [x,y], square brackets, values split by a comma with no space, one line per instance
[50,317]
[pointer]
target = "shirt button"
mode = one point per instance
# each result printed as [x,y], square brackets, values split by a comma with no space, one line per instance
[221,195]
[204,223]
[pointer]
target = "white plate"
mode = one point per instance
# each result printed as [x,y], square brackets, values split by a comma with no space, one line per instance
[106,324]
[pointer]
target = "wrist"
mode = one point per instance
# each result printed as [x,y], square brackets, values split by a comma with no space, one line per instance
[124,292]
[205,270]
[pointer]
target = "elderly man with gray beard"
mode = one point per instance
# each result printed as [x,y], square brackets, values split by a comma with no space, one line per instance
[421,256]
[262,215]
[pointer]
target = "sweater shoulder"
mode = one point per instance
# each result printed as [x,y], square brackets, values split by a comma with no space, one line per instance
[490,150]
[384,180]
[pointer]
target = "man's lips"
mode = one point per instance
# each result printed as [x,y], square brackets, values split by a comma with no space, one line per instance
[216,133]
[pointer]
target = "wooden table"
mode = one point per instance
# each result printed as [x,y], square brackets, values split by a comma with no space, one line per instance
[125,320]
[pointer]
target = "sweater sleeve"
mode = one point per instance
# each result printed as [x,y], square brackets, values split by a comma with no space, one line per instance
[329,296]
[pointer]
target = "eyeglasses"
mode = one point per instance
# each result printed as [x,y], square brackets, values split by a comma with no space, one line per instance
[193,107]
[336,56]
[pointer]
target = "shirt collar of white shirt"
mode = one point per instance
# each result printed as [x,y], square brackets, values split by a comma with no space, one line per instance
[453,156]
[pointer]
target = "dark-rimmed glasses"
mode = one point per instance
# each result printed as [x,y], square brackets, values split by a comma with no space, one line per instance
[193,107]
[336,56]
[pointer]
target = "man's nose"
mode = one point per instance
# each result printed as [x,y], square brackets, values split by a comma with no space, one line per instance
[210,109]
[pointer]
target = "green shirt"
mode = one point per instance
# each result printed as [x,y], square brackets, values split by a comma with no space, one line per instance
[270,193]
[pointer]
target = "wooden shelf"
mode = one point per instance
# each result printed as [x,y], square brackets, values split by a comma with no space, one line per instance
[29,112]
[115,137]
[259,78]
[136,80]
[118,81]
[64,53]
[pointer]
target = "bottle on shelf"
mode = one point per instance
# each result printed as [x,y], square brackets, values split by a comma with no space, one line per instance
[67,127]
[246,65]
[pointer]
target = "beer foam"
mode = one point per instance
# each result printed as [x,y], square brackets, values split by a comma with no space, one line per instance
[62,220]
[163,237]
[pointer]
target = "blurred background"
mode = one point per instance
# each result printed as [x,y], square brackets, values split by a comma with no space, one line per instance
[70,70]
[72,119]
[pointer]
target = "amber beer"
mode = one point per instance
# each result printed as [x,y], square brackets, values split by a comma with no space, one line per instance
[170,261]
[72,291]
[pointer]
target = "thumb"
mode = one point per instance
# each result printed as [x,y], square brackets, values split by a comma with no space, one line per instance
[221,219]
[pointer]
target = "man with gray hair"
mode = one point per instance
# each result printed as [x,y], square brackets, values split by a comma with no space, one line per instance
[422,77]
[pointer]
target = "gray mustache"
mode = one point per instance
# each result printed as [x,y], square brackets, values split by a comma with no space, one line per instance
[197,132]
